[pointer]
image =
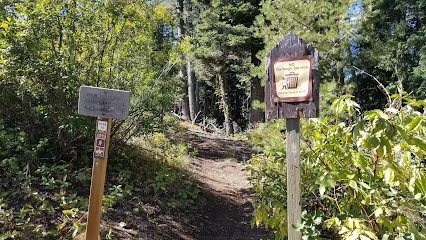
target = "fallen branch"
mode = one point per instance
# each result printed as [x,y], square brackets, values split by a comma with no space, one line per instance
[380,85]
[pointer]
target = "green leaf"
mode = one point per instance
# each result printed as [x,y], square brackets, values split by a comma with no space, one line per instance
[392,110]
[414,123]
[322,188]
[68,212]
[330,222]
[353,184]
[330,182]
[389,176]
[418,196]
[371,235]
[362,237]
[373,142]
[378,212]
[366,186]
[375,113]
[350,223]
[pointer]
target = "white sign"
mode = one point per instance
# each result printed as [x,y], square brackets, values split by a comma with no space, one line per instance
[102,125]
[103,102]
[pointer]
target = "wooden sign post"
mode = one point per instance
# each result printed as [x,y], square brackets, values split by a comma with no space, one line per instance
[104,104]
[292,92]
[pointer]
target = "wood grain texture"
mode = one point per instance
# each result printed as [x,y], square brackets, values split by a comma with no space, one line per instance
[294,209]
[97,191]
[291,46]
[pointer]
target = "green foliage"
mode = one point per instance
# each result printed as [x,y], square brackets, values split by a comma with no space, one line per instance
[224,54]
[171,184]
[49,49]
[362,178]
[329,92]
[174,187]
[50,201]
[389,46]
[324,24]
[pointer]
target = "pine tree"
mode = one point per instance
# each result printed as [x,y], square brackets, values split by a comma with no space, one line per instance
[225,39]
[324,24]
[390,46]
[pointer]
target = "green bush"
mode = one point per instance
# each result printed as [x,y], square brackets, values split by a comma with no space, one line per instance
[362,178]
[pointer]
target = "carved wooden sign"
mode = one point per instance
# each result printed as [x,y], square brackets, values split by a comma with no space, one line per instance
[292,79]
[103,102]
[292,92]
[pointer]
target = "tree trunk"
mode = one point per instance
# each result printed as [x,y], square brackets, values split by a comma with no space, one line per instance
[197,95]
[193,109]
[191,90]
[257,93]
[179,10]
[226,113]
[181,32]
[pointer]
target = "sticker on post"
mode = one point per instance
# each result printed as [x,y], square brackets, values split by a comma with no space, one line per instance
[102,125]
[101,134]
[100,139]
[99,152]
[100,143]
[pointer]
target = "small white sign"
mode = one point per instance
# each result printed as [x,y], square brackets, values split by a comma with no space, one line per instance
[103,102]
[102,125]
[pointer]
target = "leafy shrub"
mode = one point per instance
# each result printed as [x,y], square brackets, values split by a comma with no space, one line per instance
[362,178]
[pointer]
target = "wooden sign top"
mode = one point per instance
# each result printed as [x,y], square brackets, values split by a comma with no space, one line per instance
[103,102]
[291,103]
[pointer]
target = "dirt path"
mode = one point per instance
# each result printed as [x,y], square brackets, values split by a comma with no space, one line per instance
[218,169]
[223,210]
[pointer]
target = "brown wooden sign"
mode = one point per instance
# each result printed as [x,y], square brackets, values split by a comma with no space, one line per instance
[292,92]
[292,79]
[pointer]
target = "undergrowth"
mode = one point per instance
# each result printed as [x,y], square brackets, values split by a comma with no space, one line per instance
[362,176]
[46,199]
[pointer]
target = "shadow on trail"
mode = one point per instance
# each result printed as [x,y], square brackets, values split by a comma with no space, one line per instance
[216,147]
[223,210]
[226,217]
[228,208]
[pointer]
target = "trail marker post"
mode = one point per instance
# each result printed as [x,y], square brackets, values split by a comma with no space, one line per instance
[292,92]
[105,104]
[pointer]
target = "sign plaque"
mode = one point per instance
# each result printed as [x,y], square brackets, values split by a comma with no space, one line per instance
[292,79]
[103,102]
[292,92]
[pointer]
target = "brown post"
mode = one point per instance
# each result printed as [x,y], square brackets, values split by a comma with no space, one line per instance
[97,185]
[294,210]
[292,92]
[105,104]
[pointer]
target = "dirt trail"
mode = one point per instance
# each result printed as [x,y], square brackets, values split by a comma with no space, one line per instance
[223,210]
[218,169]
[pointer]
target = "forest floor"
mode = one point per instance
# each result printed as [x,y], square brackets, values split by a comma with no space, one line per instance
[224,208]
